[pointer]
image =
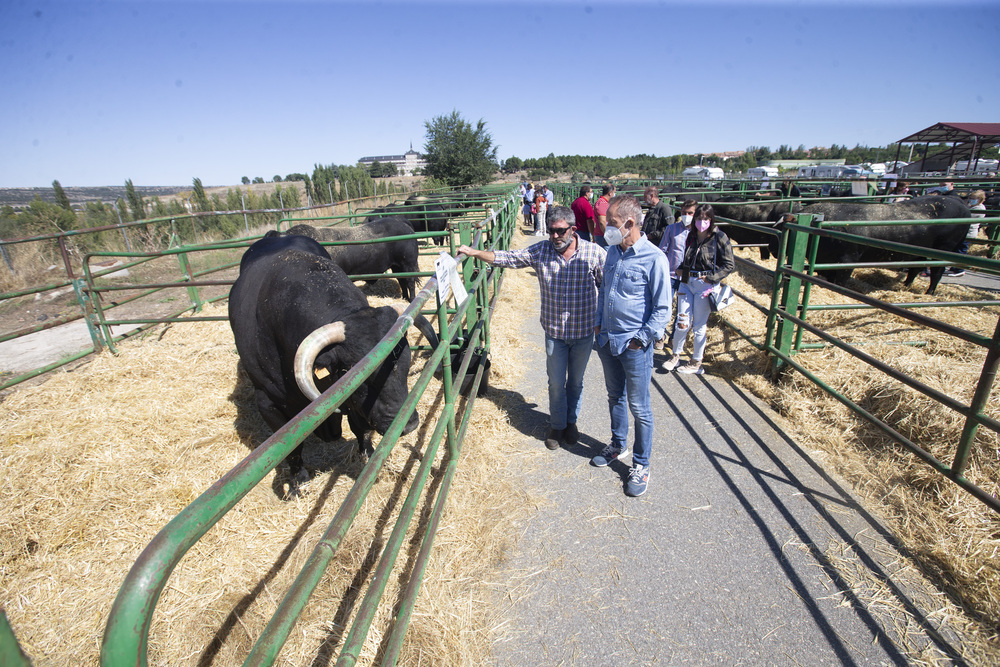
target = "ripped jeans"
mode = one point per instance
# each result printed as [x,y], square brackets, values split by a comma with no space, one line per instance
[692,313]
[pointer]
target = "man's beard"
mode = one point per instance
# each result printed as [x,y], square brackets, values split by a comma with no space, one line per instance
[562,245]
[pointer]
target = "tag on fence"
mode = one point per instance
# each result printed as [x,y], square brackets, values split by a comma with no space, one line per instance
[449,279]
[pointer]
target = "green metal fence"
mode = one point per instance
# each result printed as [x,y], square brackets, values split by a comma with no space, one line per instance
[465,326]
[788,310]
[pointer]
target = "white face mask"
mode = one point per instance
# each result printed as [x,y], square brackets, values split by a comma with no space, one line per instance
[614,235]
[686,219]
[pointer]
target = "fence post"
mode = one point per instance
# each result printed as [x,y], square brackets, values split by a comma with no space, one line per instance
[979,401]
[65,255]
[6,257]
[83,300]
[128,245]
[243,205]
[192,291]
[795,258]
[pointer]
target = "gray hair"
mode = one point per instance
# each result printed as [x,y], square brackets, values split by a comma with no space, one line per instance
[560,214]
[625,207]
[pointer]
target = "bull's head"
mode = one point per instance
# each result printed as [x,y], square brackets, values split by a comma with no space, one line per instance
[338,346]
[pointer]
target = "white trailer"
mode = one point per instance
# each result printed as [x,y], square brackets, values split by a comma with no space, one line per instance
[759,173]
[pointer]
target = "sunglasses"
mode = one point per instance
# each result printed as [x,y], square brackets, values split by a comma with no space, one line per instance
[559,231]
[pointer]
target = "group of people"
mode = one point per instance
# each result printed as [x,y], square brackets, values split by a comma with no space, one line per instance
[604,283]
[536,202]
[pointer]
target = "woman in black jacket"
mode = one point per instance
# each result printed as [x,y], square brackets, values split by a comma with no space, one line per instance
[708,259]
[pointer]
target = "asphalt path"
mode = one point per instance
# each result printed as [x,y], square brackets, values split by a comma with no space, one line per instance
[744,550]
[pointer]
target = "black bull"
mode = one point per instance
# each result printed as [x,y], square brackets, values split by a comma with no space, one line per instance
[400,256]
[834,251]
[293,310]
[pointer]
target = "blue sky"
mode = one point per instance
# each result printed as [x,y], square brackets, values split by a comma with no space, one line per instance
[162,92]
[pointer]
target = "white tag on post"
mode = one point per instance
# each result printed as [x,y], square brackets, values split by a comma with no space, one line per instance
[449,280]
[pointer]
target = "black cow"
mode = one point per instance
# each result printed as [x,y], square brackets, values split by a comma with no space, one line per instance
[756,212]
[394,209]
[431,213]
[293,310]
[938,237]
[398,256]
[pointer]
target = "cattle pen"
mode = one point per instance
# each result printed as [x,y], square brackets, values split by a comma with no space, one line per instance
[786,328]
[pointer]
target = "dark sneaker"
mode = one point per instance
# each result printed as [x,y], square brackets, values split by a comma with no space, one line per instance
[572,434]
[638,480]
[954,272]
[555,435]
[609,454]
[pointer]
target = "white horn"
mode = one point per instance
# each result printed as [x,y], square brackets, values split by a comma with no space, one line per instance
[309,349]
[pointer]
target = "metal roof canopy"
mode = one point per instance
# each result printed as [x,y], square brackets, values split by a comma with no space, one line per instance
[967,139]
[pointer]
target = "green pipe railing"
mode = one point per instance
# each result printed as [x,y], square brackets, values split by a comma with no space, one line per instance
[795,274]
[126,636]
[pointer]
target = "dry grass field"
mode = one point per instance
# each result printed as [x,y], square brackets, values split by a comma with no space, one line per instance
[97,460]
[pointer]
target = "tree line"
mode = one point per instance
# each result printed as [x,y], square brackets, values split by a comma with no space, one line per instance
[650,166]
[42,218]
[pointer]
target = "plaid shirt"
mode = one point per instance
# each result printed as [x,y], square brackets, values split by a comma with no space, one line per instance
[568,287]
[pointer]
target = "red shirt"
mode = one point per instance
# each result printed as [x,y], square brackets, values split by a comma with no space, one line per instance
[600,208]
[583,211]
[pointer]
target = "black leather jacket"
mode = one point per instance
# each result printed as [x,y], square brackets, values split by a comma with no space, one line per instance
[715,254]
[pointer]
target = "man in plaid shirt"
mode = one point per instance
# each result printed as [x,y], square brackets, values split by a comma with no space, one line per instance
[569,271]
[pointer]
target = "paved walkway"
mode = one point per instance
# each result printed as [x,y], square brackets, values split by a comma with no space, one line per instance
[744,551]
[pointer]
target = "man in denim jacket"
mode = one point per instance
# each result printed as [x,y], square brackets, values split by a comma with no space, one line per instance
[633,309]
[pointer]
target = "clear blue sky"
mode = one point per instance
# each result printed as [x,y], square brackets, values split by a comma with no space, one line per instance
[161,92]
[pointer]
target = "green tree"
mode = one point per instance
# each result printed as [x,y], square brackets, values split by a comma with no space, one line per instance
[258,179]
[61,198]
[200,198]
[276,179]
[512,165]
[135,202]
[41,217]
[245,180]
[457,153]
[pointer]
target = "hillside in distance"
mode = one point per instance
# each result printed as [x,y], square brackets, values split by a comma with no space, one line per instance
[20,197]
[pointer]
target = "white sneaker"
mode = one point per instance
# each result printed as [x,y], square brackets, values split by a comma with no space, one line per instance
[692,367]
[670,364]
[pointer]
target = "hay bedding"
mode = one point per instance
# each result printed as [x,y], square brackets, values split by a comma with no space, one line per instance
[98,460]
[952,537]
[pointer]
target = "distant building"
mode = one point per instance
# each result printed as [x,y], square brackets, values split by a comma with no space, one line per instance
[796,164]
[406,163]
[727,155]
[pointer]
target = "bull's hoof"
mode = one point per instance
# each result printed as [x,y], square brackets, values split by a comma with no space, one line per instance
[365,453]
[297,484]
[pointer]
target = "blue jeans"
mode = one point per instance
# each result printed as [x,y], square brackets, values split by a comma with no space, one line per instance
[627,379]
[566,363]
[692,315]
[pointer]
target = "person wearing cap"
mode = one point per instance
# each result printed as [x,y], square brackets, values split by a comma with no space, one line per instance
[570,271]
